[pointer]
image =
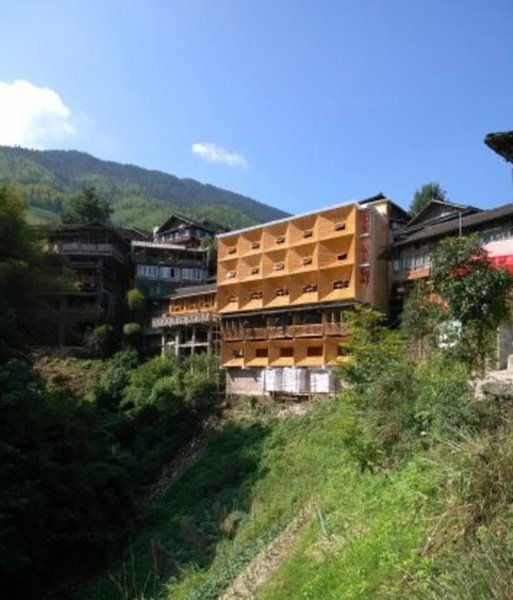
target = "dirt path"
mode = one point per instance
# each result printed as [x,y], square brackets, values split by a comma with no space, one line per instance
[258,571]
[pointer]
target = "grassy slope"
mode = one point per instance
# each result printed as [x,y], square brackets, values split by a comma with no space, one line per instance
[251,481]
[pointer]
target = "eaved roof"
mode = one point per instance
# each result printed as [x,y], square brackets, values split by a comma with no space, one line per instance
[194,290]
[468,222]
[399,209]
[420,217]
[205,224]
[502,143]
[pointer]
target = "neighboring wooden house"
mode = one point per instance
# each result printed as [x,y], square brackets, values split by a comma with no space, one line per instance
[186,232]
[190,325]
[173,257]
[99,257]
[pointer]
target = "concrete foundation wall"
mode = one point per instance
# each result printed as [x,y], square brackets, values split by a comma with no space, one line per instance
[294,381]
[244,382]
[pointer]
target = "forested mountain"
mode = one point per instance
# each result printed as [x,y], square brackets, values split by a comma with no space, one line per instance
[138,196]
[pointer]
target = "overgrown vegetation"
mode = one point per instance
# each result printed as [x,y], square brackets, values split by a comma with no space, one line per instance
[80,439]
[72,468]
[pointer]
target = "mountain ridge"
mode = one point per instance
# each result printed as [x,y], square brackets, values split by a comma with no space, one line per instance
[139,196]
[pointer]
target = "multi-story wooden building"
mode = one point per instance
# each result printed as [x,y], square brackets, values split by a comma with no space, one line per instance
[172,257]
[191,322]
[99,257]
[284,287]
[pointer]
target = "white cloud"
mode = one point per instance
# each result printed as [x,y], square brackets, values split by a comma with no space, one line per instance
[31,115]
[217,154]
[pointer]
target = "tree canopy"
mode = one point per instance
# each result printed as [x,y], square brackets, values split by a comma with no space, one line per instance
[477,295]
[87,207]
[424,195]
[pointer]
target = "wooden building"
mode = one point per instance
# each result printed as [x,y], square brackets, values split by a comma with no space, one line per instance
[284,288]
[99,257]
[191,323]
[172,258]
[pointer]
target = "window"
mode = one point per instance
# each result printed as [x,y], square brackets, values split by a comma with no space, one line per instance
[340,284]
[147,271]
[306,260]
[261,353]
[314,351]
[282,292]
[255,245]
[340,226]
[238,353]
[286,352]
[254,271]
[229,275]
[342,256]
[167,273]
[193,274]
[280,239]
[232,250]
[279,266]
[307,233]
[256,295]
[309,289]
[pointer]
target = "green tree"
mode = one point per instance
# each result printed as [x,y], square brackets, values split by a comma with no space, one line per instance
[420,319]
[87,207]
[26,272]
[477,295]
[424,195]
[135,300]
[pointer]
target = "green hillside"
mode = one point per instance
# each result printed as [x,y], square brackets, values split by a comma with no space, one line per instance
[399,488]
[138,196]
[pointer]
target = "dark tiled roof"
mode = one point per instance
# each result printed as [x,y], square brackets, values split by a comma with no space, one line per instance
[404,215]
[418,218]
[502,143]
[194,290]
[467,223]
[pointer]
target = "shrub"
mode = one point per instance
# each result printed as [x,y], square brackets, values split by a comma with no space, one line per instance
[143,379]
[101,341]
[114,380]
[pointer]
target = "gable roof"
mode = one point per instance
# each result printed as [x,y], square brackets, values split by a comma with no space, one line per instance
[502,143]
[468,223]
[436,209]
[175,220]
[399,212]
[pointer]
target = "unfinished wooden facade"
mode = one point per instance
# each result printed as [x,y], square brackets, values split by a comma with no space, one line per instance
[191,323]
[284,287]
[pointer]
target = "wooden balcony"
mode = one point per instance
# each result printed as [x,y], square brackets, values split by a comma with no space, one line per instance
[335,329]
[190,319]
[310,330]
[285,332]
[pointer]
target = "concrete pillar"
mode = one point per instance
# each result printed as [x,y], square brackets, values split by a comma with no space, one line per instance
[177,341]
[209,340]
[193,340]
[163,341]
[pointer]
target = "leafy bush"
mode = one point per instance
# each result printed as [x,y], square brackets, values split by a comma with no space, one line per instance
[101,341]
[394,404]
[145,377]
[114,380]
[135,300]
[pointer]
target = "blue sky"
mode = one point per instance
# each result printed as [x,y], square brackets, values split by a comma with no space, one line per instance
[298,104]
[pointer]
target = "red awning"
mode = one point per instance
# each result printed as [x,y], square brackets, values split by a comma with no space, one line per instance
[500,254]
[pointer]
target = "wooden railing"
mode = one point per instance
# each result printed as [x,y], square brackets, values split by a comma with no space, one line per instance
[285,331]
